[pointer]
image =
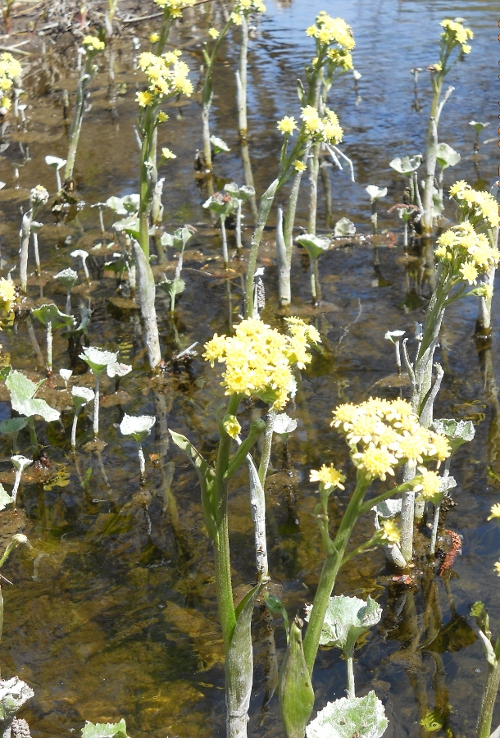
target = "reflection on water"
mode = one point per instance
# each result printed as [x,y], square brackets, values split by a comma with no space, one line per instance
[113,611]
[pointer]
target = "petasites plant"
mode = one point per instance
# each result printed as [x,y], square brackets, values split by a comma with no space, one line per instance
[258,362]
[22,395]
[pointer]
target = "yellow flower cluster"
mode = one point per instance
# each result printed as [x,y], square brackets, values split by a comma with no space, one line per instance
[10,70]
[455,33]
[259,359]
[326,128]
[469,253]
[328,30]
[475,204]
[92,44]
[7,294]
[328,477]
[175,7]
[166,74]
[340,58]
[386,433]
[249,6]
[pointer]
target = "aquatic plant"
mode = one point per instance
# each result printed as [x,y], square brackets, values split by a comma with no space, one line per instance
[22,396]
[222,205]
[465,252]
[139,427]
[98,360]
[20,463]
[382,435]
[166,75]
[453,46]
[91,46]
[242,9]
[258,362]
[81,397]
[57,164]
[314,246]
[38,197]
[68,277]
[178,241]
[52,318]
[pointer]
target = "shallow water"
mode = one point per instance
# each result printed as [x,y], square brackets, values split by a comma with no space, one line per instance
[113,612]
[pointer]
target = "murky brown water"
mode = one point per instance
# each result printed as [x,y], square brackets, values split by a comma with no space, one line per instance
[113,613]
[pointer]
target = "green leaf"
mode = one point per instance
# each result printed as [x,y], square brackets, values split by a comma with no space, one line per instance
[275,605]
[239,660]
[98,359]
[313,244]
[137,426]
[363,717]
[172,287]
[51,313]
[13,425]
[295,688]
[375,192]
[129,225]
[344,227]
[68,277]
[21,391]
[456,431]
[346,619]
[206,477]
[446,156]
[5,498]
[178,239]
[105,730]
[406,164]
[219,145]
[221,204]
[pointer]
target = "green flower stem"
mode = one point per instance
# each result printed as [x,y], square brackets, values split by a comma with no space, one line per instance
[164,32]
[225,253]
[265,205]
[257,427]
[221,541]
[313,179]
[266,446]
[33,437]
[351,689]
[330,570]
[489,696]
[49,346]
[146,179]
[369,504]
[96,405]
[76,123]
[206,95]
[241,80]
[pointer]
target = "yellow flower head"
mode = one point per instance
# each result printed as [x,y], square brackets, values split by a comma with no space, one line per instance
[249,6]
[495,511]
[299,166]
[232,426]
[144,98]
[455,33]
[174,8]
[328,30]
[287,125]
[430,484]
[213,33]
[154,37]
[167,154]
[475,205]
[390,532]
[497,568]
[166,75]
[259,359]
[328,477]
[92,44]
[7,294]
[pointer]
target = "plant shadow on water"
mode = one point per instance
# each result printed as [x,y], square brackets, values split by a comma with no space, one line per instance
[113,611]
